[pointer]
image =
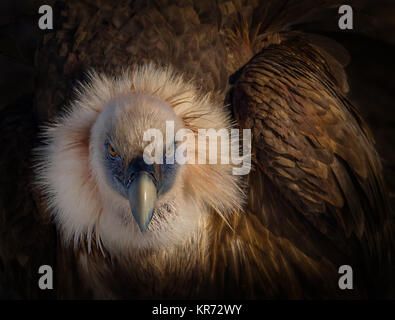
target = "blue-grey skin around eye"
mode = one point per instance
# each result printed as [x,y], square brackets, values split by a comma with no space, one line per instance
[125,178]
[168,174]
[169,170]
[115,172]
[118,173]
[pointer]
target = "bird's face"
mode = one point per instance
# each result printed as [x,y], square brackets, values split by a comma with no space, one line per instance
[139,198]
[94,172]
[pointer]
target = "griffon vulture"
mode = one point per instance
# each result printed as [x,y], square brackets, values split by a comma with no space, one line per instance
[82,199]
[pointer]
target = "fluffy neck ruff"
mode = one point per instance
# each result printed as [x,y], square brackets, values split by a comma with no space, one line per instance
[78,199]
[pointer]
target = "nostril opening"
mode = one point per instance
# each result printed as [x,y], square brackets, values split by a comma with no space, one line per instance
[138,166]
[130,179]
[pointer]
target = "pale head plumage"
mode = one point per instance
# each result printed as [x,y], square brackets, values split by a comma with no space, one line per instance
[72,174]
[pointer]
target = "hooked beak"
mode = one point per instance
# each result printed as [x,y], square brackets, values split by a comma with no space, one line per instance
[142,195]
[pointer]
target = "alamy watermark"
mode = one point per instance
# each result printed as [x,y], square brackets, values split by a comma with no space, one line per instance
[46,20]
[346,20]
[209,146]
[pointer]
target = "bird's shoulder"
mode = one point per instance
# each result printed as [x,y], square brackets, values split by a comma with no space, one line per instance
[318,178]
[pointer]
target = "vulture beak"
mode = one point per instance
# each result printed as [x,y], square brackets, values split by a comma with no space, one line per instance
[142,194]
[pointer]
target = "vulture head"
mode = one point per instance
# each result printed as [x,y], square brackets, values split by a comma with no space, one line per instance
[95,176]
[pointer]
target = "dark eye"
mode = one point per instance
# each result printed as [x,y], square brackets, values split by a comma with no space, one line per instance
[111,151]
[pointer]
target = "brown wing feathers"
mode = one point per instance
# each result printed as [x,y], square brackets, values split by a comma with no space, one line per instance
[313,147]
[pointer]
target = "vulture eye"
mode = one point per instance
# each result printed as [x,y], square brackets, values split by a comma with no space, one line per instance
[111,151]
